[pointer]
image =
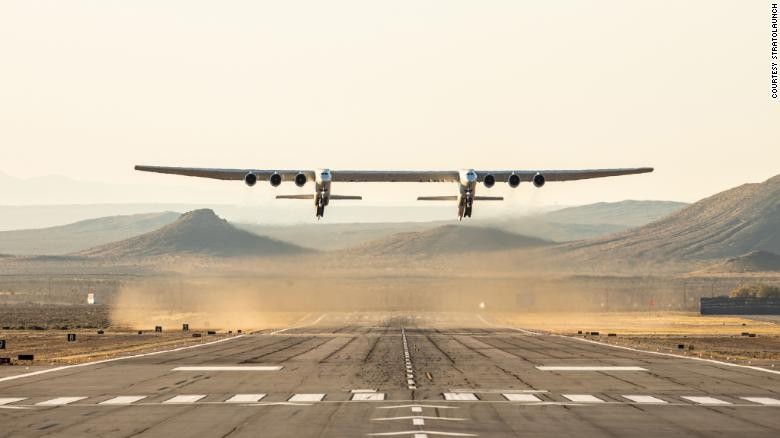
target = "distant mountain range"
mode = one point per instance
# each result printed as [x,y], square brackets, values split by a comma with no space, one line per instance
[199,232]
[726,225]
[77,236]
[447,239]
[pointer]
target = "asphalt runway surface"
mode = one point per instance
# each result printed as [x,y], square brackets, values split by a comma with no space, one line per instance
[406,375]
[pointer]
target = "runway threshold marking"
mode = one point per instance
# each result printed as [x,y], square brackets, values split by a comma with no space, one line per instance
[245,398]
[583,398]
[60,401]
[421,433]
[7,400]
[706,400]
[763,400]
[589,368]
[184,399]
[123,400]
[306,398]
[460,396]
[365,396]
[521,397]
[228,368]
[645,399]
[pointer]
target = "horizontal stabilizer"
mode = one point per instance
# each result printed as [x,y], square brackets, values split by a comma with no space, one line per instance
[294,196]
[437,198]
[488,198]
[345,197]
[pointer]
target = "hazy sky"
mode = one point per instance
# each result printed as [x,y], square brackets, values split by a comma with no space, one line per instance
[89,88]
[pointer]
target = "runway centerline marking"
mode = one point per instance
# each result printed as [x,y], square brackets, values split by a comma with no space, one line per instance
[590,368]
[228,368]
[417,433]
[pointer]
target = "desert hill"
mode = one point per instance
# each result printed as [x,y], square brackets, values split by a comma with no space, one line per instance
[448,239]
[728,224]
[756,261]
[199,232]
[81,235]
[568,224]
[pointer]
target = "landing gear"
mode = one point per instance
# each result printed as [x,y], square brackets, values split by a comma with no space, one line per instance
[467,208]
[320,207]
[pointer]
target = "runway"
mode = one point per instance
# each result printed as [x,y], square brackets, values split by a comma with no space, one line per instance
[406,375]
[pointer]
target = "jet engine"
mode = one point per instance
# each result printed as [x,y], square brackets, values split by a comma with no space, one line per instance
[538,180]
[250,179]
[489,181]
[300,179]
[275,179]
[514,180]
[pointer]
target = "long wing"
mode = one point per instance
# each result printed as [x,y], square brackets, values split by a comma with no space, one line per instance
[395,176]
[561,175]
[226,174]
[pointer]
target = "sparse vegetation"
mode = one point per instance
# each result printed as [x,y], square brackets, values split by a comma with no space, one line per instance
[755,290]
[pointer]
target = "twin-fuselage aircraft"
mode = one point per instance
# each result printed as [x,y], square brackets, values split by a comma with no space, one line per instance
[467,180]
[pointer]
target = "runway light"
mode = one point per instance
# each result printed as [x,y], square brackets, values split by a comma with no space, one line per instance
[482,305]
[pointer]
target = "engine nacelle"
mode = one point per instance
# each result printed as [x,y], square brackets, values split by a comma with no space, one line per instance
[538,180]
[489,180]
[514,180]
[250,179]
[300,179]
[275,179]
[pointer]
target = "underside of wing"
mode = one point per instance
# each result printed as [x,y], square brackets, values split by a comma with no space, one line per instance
[224,174]
[562,175]
[395,176]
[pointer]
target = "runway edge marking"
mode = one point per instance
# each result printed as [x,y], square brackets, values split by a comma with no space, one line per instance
[134,356]
[657,353]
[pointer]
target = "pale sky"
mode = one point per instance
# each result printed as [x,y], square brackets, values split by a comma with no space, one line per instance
[90,88]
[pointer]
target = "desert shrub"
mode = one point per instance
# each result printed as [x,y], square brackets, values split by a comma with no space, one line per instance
[755,290]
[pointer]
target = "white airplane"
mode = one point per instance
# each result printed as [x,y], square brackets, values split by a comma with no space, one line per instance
[466,179]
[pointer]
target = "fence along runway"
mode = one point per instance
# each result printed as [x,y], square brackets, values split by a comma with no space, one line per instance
[342,376]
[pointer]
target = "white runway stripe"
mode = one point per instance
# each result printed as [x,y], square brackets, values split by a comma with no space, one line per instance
[589,368]
[583,398]
[706,400]
[645,399]
[521,397]
[245,398]
[228,368]
[763,400]
[123,400]
[365,396]
[7,400]
[306,397]
[460,396]
[185,398]
[59,401]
